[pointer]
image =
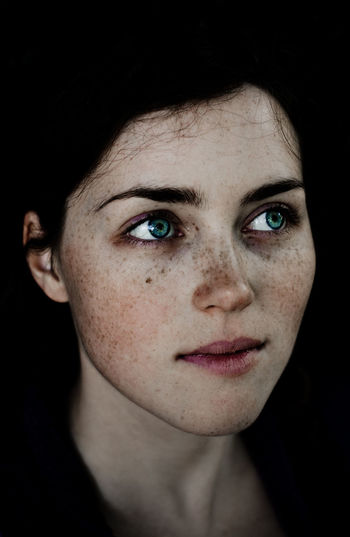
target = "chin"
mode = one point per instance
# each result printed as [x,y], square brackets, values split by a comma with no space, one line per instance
[221,423]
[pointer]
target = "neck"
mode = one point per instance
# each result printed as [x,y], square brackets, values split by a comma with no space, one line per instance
[136,458]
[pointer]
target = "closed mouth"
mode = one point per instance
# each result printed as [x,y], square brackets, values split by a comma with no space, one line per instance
[229,348]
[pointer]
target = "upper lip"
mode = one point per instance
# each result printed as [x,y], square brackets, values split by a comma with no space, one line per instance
[227,347]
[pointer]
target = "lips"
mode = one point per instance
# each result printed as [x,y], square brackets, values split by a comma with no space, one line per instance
[226,358]
[227,347]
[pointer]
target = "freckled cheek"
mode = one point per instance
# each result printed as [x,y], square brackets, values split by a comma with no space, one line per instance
[117,313]
[286,288]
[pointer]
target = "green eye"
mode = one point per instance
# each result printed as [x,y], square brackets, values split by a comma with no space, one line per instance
[159,228]
[153,229]
[274,219]
[270,220]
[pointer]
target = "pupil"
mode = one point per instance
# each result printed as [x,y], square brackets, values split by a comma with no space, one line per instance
[159,228]
[274,219]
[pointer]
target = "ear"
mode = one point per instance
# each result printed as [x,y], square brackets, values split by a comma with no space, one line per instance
[40,263]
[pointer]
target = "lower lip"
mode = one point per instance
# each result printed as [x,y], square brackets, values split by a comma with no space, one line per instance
[227,365]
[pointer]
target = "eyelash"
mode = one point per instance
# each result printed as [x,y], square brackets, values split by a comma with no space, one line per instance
[289,213]
[166,215]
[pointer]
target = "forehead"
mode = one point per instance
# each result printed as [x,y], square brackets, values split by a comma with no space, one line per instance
[246,136]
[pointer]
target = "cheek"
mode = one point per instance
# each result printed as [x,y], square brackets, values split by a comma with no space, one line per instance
[115,313]
[286,287]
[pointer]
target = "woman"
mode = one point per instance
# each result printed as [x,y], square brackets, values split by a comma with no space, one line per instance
[178,235]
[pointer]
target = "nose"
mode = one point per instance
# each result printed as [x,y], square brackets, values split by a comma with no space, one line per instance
[224,285]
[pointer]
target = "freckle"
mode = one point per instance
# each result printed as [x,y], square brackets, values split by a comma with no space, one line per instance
[162,271]
[148,280]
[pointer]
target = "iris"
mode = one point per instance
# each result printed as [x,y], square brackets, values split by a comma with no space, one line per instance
[159,228]
[274,219]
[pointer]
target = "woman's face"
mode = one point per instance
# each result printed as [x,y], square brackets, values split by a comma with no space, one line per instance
[227,255]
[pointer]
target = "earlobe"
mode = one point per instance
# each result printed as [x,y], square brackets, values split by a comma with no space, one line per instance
[40,262]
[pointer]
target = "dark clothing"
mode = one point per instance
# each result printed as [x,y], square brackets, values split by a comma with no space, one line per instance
[47,490]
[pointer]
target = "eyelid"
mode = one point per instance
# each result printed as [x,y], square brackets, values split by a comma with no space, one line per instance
[290,212]
[143,217]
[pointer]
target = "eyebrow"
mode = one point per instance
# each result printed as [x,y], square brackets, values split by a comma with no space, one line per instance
[270,189]
[190,196]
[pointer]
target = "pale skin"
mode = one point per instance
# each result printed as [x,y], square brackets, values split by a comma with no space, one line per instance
[159,435]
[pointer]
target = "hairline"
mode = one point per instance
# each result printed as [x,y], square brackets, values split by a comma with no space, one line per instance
[284,123]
